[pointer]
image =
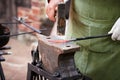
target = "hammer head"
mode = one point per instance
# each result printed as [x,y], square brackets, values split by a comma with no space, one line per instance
[61,24]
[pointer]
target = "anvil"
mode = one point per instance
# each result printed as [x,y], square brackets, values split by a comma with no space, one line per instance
[58,58]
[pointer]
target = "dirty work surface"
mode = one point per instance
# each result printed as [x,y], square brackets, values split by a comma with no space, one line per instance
[15,66]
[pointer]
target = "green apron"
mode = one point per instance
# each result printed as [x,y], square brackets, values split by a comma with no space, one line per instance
[98,58]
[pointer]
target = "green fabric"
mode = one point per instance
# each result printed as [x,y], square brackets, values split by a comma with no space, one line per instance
[98,58]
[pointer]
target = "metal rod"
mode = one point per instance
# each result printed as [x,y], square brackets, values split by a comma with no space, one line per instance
[5,48]
[16,34]
[31,27]
[91,37]
[13,22]
[78,39]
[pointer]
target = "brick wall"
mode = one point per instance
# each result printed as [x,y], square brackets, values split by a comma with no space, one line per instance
[33,14]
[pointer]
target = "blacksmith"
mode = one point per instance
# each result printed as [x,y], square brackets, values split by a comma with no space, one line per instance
[98,58]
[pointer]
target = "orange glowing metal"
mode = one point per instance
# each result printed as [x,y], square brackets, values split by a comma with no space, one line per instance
[58,41]
[77,39]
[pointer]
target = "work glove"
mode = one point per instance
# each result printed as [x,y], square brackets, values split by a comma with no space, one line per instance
[115,30]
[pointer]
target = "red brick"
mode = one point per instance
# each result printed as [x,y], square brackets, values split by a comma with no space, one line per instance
[42,4]
[32,17]
[36,11]
[36,25]
[24,9]
[20,12]
[36,4]
[22,27]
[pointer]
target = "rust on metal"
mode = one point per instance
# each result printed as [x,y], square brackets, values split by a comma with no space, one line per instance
[56,56]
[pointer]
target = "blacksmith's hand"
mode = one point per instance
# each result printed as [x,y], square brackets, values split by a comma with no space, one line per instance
[115,30]
[51,9]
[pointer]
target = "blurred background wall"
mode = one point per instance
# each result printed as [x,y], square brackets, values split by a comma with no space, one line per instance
[33,14]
